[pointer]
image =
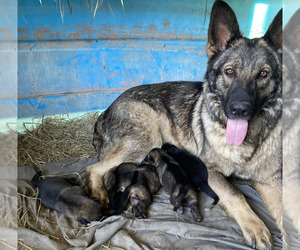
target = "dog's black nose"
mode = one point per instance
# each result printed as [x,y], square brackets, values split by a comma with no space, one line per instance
[240,109]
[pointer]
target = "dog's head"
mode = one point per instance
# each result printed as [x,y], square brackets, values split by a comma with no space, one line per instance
[243,76]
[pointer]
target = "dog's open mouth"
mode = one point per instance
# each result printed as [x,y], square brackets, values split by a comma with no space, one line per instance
[236,131]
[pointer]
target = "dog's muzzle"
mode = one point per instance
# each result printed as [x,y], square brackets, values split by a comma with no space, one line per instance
[239,108]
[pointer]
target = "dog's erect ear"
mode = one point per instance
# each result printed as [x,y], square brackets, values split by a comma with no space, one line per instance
[274,32]
[292,31]
[223,28]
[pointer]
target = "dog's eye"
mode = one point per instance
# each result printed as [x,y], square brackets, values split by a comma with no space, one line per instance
[264,74]
[229,71]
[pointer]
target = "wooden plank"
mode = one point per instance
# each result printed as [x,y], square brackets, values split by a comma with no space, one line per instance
[152,41]
[78,66]
[62,104]
[105,66]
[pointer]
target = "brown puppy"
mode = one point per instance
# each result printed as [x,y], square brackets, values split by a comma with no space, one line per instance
[175,181]
[58,194]
[117,180]
[144,184]
[134,185]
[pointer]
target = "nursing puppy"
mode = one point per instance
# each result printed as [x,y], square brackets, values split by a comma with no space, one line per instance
[194,168]
[137,185]
[144,184]
[175,181]
[117,180]
[58,194]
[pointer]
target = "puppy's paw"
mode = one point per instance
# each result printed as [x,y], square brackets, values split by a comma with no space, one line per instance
[178,209]
[139,211]
[195,213]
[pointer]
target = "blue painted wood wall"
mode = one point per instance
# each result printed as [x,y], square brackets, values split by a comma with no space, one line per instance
[8,61]
[75,65]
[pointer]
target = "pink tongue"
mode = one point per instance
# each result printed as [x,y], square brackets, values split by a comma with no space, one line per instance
[236,131]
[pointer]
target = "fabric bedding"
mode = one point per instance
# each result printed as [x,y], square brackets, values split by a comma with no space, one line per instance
[42,228]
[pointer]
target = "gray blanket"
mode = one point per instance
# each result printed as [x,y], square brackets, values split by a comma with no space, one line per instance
[41,228]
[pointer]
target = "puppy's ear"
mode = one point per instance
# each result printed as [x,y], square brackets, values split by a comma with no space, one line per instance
[150,159]
[274,33]
[223,28]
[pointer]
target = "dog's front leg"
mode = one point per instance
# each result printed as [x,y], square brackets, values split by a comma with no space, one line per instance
[94,177]
[271,194]
[253,228]
[95,174]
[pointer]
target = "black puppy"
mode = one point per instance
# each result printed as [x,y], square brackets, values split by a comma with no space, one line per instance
[193,167]
[144,183]
[175,181]
[71,200]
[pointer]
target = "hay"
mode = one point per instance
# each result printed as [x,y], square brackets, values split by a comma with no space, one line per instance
[8,148]
[56,138]
[63,5]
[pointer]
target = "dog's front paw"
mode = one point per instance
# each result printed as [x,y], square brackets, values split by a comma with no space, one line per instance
[96,188]
[139,211]
[256,234]
[101,196]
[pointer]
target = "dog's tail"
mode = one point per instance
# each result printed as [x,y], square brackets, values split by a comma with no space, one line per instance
[36,179]
[207,189]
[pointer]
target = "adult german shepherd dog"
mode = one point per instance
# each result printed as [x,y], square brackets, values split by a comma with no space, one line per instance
[232,121]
